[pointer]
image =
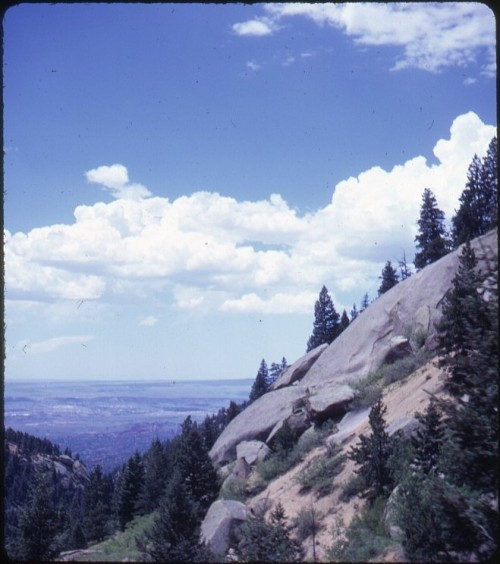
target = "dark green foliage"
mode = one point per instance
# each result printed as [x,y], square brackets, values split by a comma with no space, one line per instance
[344,322]
[319,474]
[213,425]
[38,522]
[478,209]
[389,278]
[275,371]
[156,468]
[372,454]
[29,444]
[365,537]
[427,441]
[97,505]
[285,439]
[266,541]
[431,239]
[404,270]
[447,505]
[191,460]
[356,485]
[259,387]
[365,302]
[130,490]
[432,514]
[173,536]
[354,312]
[326,321]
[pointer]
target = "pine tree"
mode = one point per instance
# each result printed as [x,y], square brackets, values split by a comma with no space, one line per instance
[344,322]
[372,454]
[478,209]
[403,268]
[97,506]
[432,238]
[191,460]
[354,312]
[130,490]
[389,278]
[365,302]
[326,321]
[266,541]
[174,535]
[37,533]
[259,387]
[428,439]
[156,469]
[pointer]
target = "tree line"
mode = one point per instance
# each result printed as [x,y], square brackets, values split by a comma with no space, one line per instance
[477,214]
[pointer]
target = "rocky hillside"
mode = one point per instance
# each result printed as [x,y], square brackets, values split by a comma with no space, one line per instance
[329,385]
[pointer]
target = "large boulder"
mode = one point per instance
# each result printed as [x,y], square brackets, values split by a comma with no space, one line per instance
[328,402]
[298,369]
[252,451]
[408,310]
[217,527]
[255,422]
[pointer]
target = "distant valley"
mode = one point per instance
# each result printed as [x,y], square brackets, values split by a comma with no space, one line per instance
[105,422]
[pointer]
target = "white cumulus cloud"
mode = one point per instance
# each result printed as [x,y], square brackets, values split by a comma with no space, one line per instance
[212,252]
[50,345]
[115,178]
[149,321]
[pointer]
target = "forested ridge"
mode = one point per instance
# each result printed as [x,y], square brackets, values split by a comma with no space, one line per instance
[440,483]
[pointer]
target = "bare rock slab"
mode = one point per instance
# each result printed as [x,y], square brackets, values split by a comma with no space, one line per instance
[217,527]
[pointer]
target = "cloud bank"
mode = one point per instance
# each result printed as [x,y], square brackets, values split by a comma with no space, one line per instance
[210,252]
[431,36]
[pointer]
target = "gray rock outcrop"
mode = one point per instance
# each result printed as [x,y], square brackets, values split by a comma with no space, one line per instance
[252,451]
[410,309]
[217,527]
[319,384]
[255,422]
[298,369]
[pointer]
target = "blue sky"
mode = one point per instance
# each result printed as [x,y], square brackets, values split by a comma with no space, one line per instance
[182,179]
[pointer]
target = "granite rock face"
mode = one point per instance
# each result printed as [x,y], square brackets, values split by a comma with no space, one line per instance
[319,385]
[298,369]
[217,527]
[252,451]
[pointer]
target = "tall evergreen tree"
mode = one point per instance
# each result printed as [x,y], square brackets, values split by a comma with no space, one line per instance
[259,387]
[275,371]
[156,468]
[38,528]
[174,535]
[478,209]
[130,490]
[190,458]
[326,321]
[389,278]
[372,454]
[344,322]
[428,439]
[365,302]
[97,506]
[431,240]
[262,540]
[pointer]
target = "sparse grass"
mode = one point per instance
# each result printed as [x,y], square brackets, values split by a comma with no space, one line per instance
[365,538]
[307,523]
[354,486]
[234,490]
[319,474]
[280,462]
[370,388]
[122,545]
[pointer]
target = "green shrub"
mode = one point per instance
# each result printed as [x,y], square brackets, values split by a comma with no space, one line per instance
[365,538]
[306,523]
[233,489]
[354,486]
[280,461]
[318,475]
